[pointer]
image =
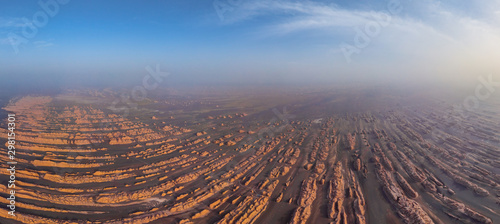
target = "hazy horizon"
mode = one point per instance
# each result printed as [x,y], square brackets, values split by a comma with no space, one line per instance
[250,111]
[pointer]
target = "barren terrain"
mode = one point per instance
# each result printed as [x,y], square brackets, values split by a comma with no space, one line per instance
[253,156]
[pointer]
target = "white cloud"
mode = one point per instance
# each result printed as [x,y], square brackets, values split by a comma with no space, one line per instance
[434,37]
[300,14]
[10,22]
[43,44]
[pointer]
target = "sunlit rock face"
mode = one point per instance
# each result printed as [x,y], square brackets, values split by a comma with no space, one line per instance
[240,157]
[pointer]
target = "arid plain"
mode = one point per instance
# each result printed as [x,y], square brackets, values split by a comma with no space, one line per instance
[253,155]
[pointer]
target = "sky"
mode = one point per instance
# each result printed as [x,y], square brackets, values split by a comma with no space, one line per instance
[69,42]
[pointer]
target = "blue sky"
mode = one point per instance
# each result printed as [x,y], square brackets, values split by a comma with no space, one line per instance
[252,41]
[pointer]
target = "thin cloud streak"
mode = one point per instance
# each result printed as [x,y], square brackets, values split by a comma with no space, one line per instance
[436,35]
[12,22]
[43,44]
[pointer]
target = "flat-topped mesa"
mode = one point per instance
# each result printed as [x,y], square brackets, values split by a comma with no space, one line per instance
[381,157]
[301,215]
[392,146]
[336,194]
[351,141]
[405,186]
[462,181]
[409,210]
[307,192]
[249,209]
[306,199]
[355,195]
[457,177]
[359,206]
[412,171]
[356,164]
[411,133]
[386,162]
[319,168]
[460,208]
